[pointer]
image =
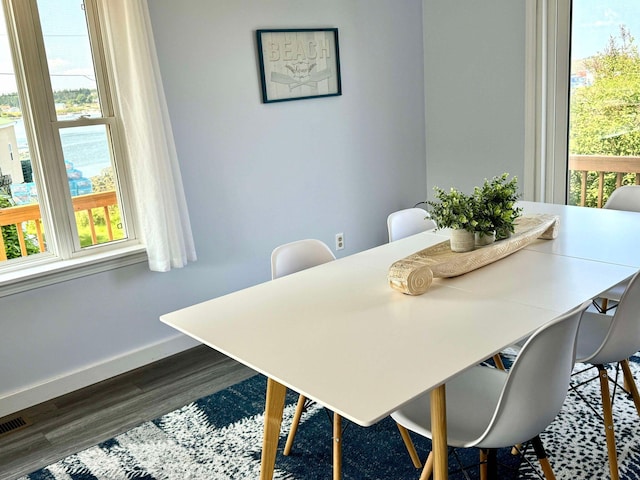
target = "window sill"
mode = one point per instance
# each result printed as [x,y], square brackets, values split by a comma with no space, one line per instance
[57,271]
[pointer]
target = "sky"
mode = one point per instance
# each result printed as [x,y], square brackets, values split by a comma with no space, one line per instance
[594,21]
[66,42]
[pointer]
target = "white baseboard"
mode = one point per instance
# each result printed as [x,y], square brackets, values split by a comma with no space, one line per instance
[54,387]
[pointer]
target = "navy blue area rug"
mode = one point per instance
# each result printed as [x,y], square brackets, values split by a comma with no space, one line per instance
[220,437]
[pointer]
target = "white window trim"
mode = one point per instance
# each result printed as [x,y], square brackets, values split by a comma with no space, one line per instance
[49,270]
[547,64]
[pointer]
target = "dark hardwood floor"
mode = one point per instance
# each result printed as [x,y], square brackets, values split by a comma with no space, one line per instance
[81,419]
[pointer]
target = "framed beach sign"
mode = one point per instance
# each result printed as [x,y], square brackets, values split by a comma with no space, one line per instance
[299,63]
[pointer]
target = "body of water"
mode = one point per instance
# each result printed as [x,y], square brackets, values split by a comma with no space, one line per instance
[85,148]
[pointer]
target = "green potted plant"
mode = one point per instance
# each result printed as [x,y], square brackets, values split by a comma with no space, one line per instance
[454,210]
[495,209]
[485,232]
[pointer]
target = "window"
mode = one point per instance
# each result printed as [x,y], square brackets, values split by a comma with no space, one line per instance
[64,192]
[584,77]
[604,99]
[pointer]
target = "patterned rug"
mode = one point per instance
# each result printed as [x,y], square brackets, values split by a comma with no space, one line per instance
[219,437]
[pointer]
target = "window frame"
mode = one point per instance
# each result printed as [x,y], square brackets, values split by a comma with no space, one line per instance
[547,57]
[65,259]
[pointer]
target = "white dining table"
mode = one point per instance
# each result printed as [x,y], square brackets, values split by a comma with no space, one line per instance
[339,335]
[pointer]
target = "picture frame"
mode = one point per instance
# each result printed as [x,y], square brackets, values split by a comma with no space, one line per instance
[298,64]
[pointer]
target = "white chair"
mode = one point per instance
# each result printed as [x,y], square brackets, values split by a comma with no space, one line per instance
[605,339]
[489,408]
[626,198]
[299,255]
[407,222]
[285,260]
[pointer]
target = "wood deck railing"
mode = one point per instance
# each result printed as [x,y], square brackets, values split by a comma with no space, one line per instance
[602,165]
[25,213]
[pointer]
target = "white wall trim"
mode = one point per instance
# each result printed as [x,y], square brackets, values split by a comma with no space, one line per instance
[426,67]
[532,104]
[559,64]
[547,68]
[54,387]
[48,269]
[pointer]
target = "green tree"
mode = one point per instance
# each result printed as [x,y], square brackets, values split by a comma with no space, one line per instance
[605,115]
[10,99]
[104,182]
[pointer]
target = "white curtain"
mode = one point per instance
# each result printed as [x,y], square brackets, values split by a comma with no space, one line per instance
[159,193]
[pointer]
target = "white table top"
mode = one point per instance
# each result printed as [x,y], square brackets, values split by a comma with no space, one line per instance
[368,349]
[611,236]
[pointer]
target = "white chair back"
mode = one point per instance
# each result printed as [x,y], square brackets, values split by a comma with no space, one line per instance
[299,255]
[537,384]
[626,197]
[409,221]
[623,338]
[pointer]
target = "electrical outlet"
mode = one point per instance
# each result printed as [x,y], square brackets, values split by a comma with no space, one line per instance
[339,241]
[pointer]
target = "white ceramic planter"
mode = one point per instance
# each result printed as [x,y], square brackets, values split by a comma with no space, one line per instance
[462,241]
[483,239]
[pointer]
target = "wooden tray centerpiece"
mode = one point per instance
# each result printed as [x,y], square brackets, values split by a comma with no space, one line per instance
[413,275]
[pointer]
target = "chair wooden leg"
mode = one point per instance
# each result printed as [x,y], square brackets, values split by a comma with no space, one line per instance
[543,459]
[337,446]
[608,422]
[409,445]
[427,471]
[630,384]
[497,359]
[483,464]
[294,425]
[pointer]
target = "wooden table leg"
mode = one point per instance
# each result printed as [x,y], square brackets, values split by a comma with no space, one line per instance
[273,409]
[337,446]
[439,431]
